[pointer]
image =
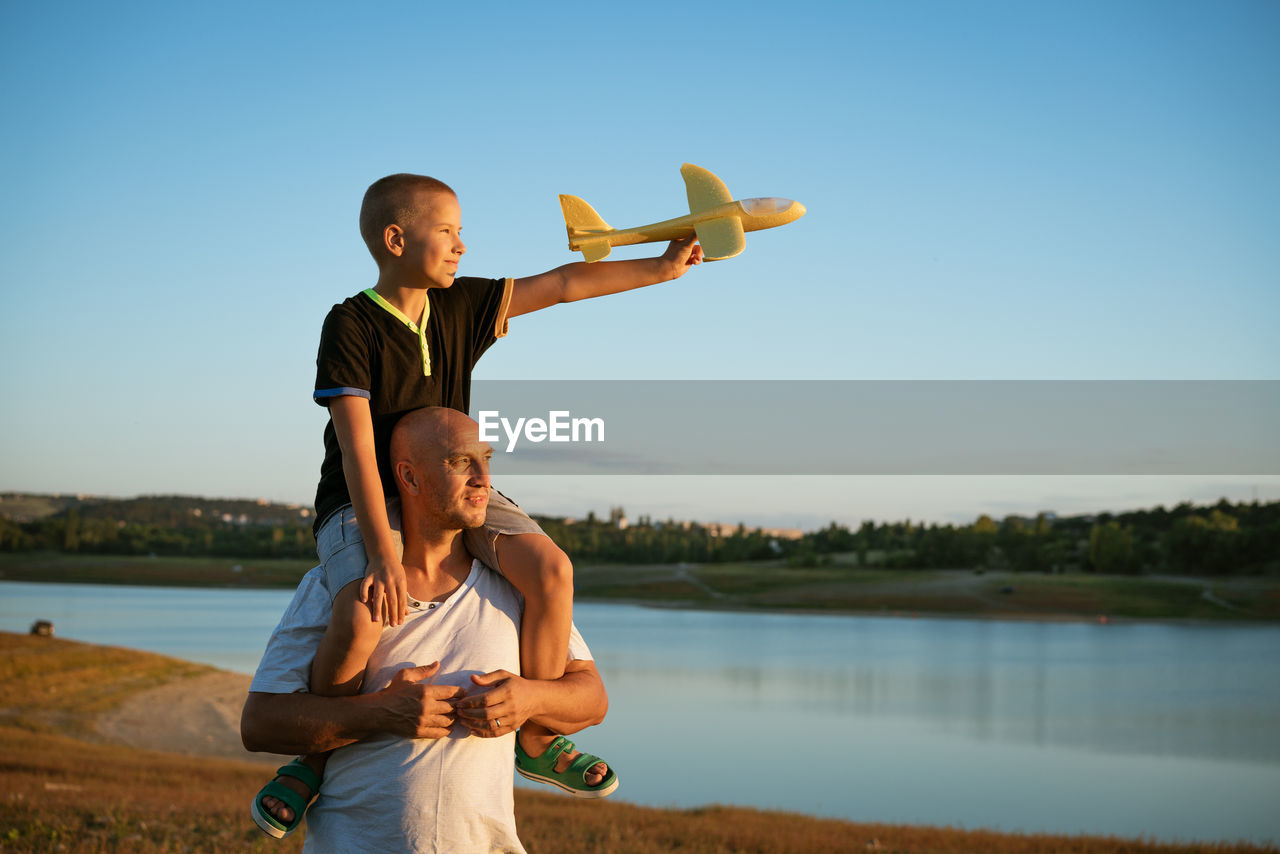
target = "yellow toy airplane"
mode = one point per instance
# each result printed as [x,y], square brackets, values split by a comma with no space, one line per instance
[716,217]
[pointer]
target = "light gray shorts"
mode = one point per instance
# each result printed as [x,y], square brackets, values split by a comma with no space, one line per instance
[341,546]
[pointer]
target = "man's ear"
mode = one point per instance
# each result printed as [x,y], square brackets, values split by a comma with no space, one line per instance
[393,239]
[407,478]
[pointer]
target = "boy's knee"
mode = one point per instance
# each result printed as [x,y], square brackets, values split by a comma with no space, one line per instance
[352,620]
[549,569]
[557,573]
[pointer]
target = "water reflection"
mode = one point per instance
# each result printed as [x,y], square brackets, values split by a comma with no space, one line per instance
[1159,690]
[1170,731]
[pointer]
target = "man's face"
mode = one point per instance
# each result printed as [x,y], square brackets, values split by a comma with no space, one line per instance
[455,478]
[433,241]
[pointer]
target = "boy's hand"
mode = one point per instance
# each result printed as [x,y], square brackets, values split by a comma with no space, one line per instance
[681,255]
[386,592]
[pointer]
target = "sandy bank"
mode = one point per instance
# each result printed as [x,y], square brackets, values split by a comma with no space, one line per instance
[195,716]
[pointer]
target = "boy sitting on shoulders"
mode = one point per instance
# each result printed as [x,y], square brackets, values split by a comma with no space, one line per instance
[408,342]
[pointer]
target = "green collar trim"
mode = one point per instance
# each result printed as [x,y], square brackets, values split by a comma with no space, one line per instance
[419,328]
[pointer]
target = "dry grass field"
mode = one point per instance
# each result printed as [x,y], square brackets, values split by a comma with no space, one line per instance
[65,788]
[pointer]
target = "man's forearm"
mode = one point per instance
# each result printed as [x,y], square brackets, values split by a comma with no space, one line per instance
[573,702]
[307,723]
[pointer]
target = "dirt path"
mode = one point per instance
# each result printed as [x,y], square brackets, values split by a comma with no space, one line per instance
[199,716]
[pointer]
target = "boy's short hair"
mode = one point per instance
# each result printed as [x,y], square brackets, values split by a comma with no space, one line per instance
[395,200]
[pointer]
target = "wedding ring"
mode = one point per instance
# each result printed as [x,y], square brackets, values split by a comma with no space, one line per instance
[497,724]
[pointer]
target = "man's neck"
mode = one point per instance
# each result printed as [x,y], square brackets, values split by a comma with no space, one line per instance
[435,563]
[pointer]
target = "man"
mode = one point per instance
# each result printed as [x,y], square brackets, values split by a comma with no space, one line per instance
[411,776]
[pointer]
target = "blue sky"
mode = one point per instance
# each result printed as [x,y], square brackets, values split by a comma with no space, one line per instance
[995,190]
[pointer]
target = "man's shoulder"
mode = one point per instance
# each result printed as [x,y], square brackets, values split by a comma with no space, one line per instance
[488,583]
[312,578]
[286,663]
[311,599]
[491,585]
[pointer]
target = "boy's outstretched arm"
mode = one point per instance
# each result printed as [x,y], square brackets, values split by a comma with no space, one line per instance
[573,282]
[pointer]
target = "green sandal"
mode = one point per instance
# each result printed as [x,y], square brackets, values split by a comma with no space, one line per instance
[271,825]
[572,779]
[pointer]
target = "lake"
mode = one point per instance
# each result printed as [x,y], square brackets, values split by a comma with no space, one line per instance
[1169,731]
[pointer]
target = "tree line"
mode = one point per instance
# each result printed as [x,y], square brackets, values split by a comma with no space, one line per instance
[1219,539]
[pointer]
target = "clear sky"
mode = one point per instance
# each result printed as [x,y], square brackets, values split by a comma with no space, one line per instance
[995,190]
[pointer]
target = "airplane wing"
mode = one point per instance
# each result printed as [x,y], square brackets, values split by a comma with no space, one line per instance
[705,190]
[721,238]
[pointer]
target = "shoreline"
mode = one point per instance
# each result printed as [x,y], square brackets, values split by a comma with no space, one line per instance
[904,594]
[714,608]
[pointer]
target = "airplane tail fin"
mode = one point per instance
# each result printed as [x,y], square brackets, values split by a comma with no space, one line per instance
[580,216]
[581,221]
[704,189]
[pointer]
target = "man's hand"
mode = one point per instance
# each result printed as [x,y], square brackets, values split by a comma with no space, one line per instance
[386,591]
[415,708]
[502,705]
[681,255]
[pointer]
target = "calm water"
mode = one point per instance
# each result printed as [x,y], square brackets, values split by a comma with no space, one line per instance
[1158,730]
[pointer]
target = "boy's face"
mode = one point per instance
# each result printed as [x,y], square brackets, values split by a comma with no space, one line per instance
[433,242]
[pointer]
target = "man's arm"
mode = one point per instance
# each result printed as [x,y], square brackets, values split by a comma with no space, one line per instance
[309,723]
[578,281]
[566,705]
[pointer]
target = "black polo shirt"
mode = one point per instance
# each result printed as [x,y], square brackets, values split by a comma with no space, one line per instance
[370,350]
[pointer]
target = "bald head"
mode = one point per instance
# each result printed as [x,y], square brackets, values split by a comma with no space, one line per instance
[430,428]
[441,468]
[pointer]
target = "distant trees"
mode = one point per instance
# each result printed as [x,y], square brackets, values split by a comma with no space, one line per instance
[1221,539]
[1212,544]
[1111,549]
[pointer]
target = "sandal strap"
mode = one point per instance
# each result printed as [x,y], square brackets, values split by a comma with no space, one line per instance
[545,760]
[552,753]
[290,798]
[583,764]
[298,770]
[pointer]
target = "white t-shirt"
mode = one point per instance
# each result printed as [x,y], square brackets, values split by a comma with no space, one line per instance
[421,795]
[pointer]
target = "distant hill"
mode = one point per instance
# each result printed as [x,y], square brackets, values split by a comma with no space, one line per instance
[26,507]
[166,510]
[155,524]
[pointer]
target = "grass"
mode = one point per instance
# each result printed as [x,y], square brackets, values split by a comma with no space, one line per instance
[840,588]
[51,686]
[61,791]
[764,585]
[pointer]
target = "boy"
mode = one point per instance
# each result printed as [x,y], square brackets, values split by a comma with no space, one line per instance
[408,342]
